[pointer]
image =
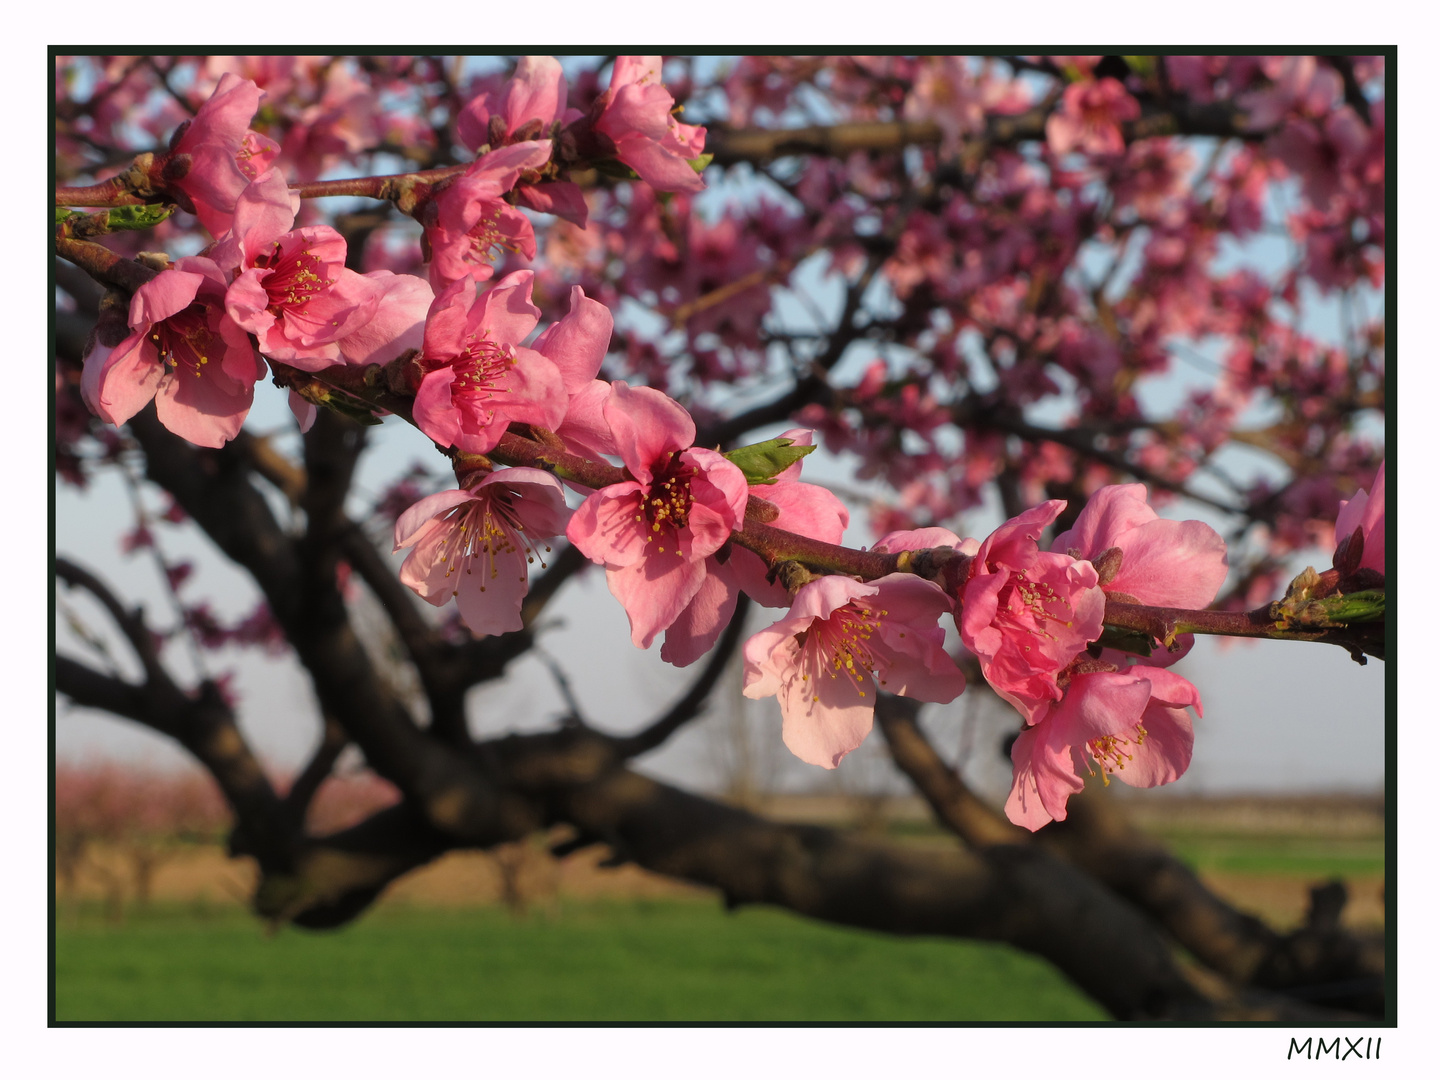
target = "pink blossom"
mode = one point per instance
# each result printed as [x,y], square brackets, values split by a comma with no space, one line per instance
[842,642]
[653,533]
[293,290]
[225,155]
[476,545]
[398,323]
[1131,724]
[532,103]
[472,219]
[534,97]
[637,118]
[1089,118]
[1027,613]
[805,509]
[479,377]
[184,352]
[1165,563]
[1366,512]
[577,344]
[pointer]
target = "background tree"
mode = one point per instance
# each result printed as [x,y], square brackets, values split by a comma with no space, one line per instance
[970,273]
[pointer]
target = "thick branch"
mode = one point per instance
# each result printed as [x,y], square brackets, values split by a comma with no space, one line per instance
[956,806]
[693,703]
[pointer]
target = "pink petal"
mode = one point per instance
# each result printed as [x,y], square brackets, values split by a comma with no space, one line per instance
[1111,512]
[202,410]
[605,527]
[807,509]
[662,169]
[632,69]
[506,311]
[654,591]
[694,632]
[584,429]
[398,323]
[646,425]
[409,525]
[490,603]
[825,717]
[537,92]
[578,342]
[538,499]
[167,293]
[125,378]
[304,411]
[562,198]
[1172,563]
[916,540]
[434,410]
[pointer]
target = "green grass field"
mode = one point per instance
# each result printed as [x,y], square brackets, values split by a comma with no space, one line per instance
[640,961]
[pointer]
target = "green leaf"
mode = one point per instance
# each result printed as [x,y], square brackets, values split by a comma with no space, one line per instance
[1144,66]
[121,218]
[699,163]
[763,461]
[62,214]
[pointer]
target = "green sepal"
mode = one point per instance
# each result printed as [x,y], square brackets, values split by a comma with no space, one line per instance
[317,393]
[64,214]
[1126,640]
[1367,605]
[617,169]
[700,163]
[763,461]
[121,218]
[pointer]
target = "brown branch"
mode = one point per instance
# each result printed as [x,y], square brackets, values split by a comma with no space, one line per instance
[693,703]
[333,741]
[953,803]
[104,265]
[1096,835]
[759,145]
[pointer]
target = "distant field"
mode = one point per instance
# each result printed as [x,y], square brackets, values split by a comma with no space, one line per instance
[616,944]
[642,960]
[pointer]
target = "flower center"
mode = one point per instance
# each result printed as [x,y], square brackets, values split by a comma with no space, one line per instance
[487,239]
[294,279]
[489,532]
[666,506]
[840,645]
[1028,605]
[184,340]
[1109,751]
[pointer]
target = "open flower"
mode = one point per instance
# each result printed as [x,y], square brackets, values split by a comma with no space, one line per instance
[293,290]
[472,219]
[225,155]
[1161,562]
[842,641]
[476,545]
[1131,725]
[806,509]
[637,118]
[184,352]
[1028,613]
[653,533]
[531,103]
[479,377]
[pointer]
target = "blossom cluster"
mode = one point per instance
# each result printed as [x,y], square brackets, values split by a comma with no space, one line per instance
[461,341]
[271,287]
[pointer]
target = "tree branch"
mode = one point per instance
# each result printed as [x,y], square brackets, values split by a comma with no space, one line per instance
[693,703]
[953,803]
